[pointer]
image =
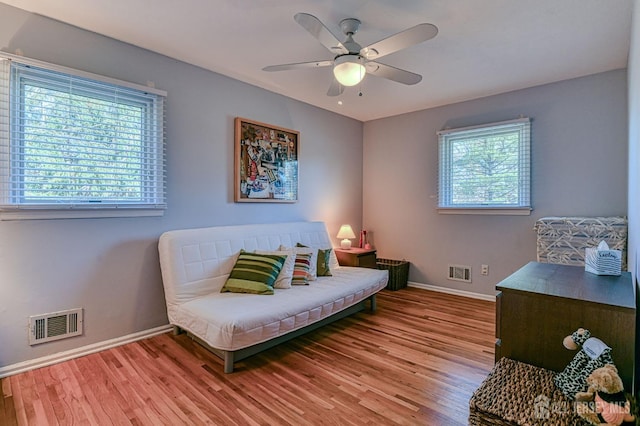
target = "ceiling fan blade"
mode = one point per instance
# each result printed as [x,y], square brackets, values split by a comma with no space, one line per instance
[298,66]
[399,41]
[335,89]
[322,33]
[393,73]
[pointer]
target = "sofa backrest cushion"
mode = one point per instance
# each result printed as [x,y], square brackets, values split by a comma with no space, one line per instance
[196,262]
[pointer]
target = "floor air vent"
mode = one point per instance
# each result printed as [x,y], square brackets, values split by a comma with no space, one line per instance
[460,273]
[55,326]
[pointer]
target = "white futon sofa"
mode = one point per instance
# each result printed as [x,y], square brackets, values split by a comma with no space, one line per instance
[195,264]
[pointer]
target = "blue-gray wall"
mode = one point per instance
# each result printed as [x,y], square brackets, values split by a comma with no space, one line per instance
[579,167]
[109,267]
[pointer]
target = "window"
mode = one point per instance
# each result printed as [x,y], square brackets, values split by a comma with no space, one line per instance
[485,169]
[73,144]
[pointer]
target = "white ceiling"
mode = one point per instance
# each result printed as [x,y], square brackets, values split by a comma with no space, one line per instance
[483,47]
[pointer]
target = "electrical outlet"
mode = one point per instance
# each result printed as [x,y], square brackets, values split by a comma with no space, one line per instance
[484,269]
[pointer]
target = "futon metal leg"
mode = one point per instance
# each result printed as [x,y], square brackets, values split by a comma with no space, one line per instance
[177,330]
[228,362]
[373,303]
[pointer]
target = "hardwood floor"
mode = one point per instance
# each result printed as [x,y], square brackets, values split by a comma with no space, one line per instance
[416,361]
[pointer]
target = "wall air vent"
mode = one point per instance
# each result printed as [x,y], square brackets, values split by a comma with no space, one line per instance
[460,273]
[55,326]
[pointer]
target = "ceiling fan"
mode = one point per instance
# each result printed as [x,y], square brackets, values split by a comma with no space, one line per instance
[353,61]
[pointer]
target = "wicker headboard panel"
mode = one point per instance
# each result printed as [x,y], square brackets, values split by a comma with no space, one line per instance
[563,239]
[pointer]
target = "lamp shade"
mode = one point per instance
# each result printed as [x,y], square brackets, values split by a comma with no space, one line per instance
[346,232]
[349,70]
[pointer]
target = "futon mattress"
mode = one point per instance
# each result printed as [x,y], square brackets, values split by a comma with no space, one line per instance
[232,321]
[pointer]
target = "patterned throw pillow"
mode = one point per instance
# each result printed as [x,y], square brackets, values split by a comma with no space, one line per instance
[319,262]
[305,250]
[286,273]
[323,263]
[301,269]
[313,267]
[254,273]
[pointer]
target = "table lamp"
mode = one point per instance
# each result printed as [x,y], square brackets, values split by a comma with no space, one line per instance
[346,233]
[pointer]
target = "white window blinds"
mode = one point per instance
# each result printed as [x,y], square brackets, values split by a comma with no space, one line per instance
[485,166]
[70,140]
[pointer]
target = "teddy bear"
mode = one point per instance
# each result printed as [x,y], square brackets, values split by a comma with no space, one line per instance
[604,402]
[593,354]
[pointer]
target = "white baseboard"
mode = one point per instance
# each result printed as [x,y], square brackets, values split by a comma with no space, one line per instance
[32,364]
[470,294]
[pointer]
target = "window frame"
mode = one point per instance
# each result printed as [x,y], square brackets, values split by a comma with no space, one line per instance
[447,137]
[152,164]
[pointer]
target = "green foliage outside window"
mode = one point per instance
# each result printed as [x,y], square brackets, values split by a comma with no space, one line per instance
[77,147]
[485,170]
[76,142]
[485,166]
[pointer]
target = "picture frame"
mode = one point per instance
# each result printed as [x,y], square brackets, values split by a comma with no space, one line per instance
[266,163]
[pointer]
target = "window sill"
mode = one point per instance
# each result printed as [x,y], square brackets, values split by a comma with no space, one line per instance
[37,214]
[507,211]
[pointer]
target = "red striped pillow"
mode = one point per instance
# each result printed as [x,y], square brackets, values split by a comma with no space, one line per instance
[301,269]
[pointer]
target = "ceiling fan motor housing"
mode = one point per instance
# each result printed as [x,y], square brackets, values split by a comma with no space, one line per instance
[350,26]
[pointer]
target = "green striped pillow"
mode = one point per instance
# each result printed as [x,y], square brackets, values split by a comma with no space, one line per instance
[254,273]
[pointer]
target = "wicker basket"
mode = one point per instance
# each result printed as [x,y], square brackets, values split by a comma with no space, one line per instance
[398,272]
[519,394]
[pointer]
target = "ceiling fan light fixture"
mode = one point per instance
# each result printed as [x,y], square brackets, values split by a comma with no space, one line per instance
[349,70]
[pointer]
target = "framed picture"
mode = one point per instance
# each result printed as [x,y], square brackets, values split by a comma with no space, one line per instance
[266,163]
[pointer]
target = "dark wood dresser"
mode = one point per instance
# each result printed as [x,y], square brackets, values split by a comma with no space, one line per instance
[541,303]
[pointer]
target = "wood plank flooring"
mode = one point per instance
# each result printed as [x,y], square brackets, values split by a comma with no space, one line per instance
[416,361]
